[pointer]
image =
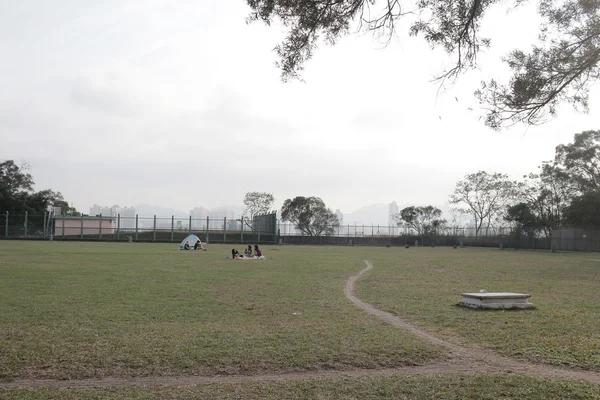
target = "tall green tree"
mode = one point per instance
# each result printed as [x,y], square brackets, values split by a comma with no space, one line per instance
[424,220]
[584,211]
[547,195]
[580,160]
[561,67]
[17,195]
[310,215]
[524,219]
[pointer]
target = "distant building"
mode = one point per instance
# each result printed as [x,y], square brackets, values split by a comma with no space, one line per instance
[216,218]
[128,218]
[127,214]
[340,216]
[392,210]
[95,210]
[75,226]
[199,215]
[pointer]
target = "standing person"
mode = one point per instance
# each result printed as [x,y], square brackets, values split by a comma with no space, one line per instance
[257,252]
[248,252]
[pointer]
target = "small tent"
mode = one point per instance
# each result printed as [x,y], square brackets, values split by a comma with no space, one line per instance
[191,239]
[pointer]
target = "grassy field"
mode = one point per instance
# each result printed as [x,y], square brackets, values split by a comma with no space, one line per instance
[480,387]
[424,284]
[82,310]
[78,310]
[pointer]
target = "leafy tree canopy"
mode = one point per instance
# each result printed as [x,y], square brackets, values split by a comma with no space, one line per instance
[424,220]
[17,195]
[524,218]
[309,215]
[584,211]
[561,67]
[580,160]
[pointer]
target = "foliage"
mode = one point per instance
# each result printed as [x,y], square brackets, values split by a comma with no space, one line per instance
[424,220]
[484,197]
[525,220]
[580,160]
[584,211]
[547,195]
[17,195]
[560,68]
[310,215]
[256,203]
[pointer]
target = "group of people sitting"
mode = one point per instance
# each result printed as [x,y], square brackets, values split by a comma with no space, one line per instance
[197,246]
[247,253]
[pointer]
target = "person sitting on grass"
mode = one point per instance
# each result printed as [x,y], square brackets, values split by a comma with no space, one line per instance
[235,254]
[198,245]
[248,252]
[186,246]
[257,252]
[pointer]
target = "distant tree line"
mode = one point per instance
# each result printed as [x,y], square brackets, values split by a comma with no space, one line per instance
[564,192]
[17,195]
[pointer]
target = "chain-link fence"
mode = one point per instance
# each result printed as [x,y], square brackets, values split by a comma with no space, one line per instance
[222,230]
[135,228]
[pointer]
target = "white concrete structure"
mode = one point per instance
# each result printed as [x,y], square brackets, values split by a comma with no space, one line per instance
[497,300]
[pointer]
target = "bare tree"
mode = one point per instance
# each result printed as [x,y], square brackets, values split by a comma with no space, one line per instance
[256,203]
[484,197]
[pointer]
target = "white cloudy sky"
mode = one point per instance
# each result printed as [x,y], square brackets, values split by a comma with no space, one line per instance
[179,104]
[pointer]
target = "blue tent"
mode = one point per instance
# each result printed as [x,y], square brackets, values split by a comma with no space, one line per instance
[191,240]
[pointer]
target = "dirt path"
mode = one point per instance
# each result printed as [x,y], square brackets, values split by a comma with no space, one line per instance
[463,358]
[461,361]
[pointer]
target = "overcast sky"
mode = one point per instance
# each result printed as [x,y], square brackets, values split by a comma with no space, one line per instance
[127,102]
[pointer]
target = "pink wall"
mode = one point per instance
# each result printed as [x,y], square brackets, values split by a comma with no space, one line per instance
[91,226]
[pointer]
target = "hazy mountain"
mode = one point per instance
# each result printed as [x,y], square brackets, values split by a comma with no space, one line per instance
[377,214]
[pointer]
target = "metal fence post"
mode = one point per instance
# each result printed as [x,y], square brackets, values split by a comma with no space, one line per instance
[81,231]
[136,227]
[258,240]
[224,229]
[242,233]
[45,218]
[100,229]
[62,232]
[190,225]
[6,226]
[173,224]
[118,226]
[154,230]
[207,222]
[25,224]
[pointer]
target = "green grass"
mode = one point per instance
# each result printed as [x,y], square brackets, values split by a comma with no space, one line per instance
[78,310]
[449,387]
[424,284]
